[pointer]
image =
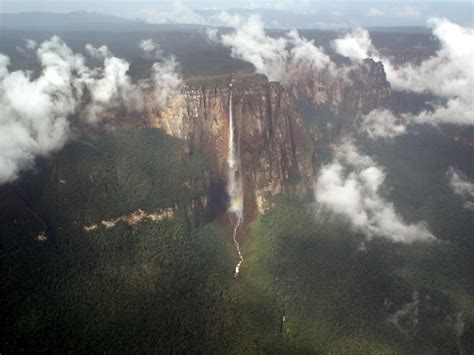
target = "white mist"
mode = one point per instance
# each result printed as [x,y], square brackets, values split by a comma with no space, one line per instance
[234,183]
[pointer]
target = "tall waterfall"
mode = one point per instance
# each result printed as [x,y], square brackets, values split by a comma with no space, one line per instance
[234,183]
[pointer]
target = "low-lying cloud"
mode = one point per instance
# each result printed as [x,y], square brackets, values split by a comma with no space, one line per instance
[381,124]
[271,56]
[165,78]
[449,74]
[176,13]
[350,186]
[356,45]
[37,111]
[461,186]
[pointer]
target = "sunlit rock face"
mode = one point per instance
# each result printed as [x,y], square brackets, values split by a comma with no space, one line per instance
[275,150]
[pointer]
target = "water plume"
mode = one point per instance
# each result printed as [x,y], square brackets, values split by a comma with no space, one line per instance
[234,183]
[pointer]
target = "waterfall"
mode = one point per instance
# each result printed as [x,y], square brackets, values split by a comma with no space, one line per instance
[234,184]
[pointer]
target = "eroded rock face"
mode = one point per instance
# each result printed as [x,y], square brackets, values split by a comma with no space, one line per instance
[357,91]
[275,150]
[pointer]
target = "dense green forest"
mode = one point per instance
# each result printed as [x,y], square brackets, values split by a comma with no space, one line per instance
[149,286]
[306,285]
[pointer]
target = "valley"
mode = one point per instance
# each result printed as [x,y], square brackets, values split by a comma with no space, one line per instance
[223,219]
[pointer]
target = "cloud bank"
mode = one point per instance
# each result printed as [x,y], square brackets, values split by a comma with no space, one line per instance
[274,57]
[449,74]
[177,13]
[165,79]
[350,187]
[356,45]
[381,124]
[37,111]
[461,186]
[34,111]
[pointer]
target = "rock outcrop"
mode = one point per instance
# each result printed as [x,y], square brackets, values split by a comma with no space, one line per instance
[275,150]
[357,90]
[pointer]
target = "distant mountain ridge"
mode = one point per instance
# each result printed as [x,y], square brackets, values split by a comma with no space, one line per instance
[39,20]
[273,19]
[79,21]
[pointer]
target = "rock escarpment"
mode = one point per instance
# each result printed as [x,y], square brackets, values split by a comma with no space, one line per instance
[275,149]
[357,90]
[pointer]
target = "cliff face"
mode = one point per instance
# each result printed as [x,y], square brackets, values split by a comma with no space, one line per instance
[275,150]
[358,91]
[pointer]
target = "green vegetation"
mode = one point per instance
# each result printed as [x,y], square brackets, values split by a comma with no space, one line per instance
[339,298]
[308,284]
[149,286]
[417,183]
[122,172]
[158,287]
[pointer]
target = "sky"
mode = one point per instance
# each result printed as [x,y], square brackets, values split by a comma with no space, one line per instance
[366,13]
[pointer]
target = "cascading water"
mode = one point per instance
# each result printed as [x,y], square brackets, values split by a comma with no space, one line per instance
[234,184]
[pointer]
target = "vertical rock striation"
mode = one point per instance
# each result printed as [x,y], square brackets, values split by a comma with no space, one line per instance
[361,89]
[275,150]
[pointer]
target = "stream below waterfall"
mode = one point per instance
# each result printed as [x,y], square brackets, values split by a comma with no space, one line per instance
[237,247]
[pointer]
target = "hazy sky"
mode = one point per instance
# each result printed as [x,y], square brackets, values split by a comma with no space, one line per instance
[369,12]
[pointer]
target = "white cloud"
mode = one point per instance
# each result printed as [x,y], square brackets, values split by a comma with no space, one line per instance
[114,80]
[274,57]
[99,52]
[461,186]
[4,64]
[35,111]
[306,53]
[250,43]
[225,18]
[212,35]
[297,6]
[111,89]
[450,71]
[178,13]
[356,45]
[148,45]
[350,187]
[151,49]
[165,79]
[31,44]
[448,74]
[381,124]
[375,12]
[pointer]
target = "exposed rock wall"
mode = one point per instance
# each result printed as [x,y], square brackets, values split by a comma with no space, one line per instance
[276,151]
[359,90]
